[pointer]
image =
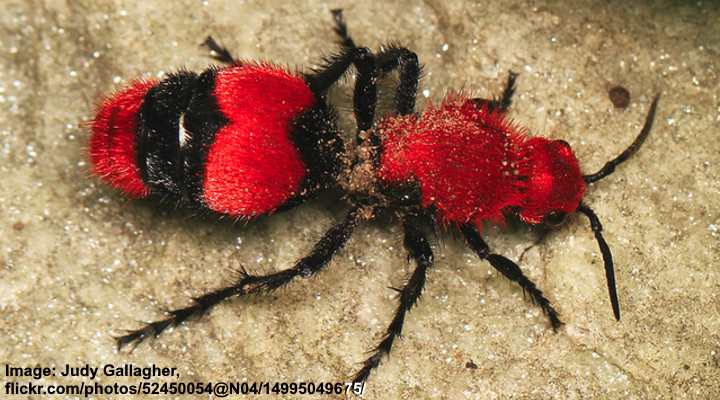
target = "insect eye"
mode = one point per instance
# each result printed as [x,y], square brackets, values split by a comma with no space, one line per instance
[555,218]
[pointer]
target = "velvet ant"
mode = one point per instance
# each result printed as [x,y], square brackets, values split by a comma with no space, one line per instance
[249,139]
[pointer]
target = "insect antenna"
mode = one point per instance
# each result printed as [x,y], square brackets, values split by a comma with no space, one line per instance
[607,257]
[610,165]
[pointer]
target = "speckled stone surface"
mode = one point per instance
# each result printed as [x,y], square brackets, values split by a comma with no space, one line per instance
[79,262]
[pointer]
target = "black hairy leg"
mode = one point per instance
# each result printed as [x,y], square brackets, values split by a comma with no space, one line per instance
[409,68]
[420,251]
[341,28]
[365,92]
[373,68]
[335,66]
[219,53]
[323,251]
[370,68]
[505,101]
[321,78]
[511,271]
[365,95]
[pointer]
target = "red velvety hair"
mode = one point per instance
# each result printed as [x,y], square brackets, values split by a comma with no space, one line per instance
[554,179]
[112,144]
[462,157]
[253,166]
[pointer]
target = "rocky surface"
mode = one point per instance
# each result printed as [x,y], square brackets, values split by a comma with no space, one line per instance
[79,262]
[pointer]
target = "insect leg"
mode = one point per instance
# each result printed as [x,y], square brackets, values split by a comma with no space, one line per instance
[365,92]
[419,249]
[333,68]
[505,100]
[219,52]
[392,57]
[341,28]
[511,271]
[332,241]
[369,68]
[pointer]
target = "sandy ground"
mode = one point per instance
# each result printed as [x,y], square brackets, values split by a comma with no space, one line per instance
[79,262]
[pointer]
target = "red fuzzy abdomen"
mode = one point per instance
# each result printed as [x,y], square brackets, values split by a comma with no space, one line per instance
[253,166]
[113,142]
[462,157]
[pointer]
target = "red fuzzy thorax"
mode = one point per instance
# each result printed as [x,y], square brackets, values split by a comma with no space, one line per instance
[253,166]
[473,165]
[113,144]
[461,156]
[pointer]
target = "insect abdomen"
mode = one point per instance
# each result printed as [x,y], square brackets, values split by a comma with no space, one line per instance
[113,143]
[162,142]
[219,140]
[253,165]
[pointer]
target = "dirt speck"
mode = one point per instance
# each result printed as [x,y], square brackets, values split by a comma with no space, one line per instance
[619,96]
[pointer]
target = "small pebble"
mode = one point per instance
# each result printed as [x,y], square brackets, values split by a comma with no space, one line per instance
[620,97]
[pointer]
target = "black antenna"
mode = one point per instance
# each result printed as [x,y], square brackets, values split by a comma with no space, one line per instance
[610,166]
[607,256]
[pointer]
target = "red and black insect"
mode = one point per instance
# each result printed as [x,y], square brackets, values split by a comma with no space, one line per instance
[248,139]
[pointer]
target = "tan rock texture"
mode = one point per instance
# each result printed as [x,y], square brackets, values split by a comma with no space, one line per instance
[79,262]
